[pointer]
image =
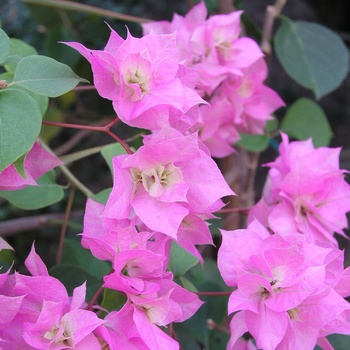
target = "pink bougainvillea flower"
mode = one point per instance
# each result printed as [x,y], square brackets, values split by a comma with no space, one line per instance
[285,290]
[42,315]
[143,78]
[131,329]
[58,328]
[107,237]
[242,104]
[213,46]
[37,162]
[165,180]
[305,192]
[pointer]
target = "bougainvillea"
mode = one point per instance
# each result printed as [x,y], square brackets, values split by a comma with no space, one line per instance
[195,85]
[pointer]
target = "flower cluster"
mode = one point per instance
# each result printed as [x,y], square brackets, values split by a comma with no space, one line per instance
[305,192]
[231,72]
[289,292]
[286,265]
[195,84]
[37,312]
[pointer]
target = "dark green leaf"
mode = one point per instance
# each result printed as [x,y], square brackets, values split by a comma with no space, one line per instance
[305,119]
[75,254]
[102,196]
[112,299]
[271,125]
[19,166]
[45,76]
[73,276]
[36,197]
[340,341]
[180,260]
[312,55]
[110,151]
[20,123]
[4,46]
[18,50]
[253,143]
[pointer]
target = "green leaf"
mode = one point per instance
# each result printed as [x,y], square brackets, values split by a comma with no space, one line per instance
[305,119]
[312,55]
[102,196]
[110,151]
[36,197]
[18,50]
[271,125]
[4,46]
[20,123]
[73,276]
[180,260]
[19,166]
[112,299]
[75,254]
[45,76]
[41,100]
[339,341]
[79,265]
[253,143]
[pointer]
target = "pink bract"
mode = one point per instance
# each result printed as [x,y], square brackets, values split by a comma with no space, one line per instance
[305,192]
[285,290]
[37,162]
[143,78]
[165,180]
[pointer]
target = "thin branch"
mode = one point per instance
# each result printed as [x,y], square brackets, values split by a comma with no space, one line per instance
[84,87]
[214,294]
[74,6]
[72,142]
[242,210]
[226,6]
[94,298]
[14,226]
[105,129]
[75,181]
[272,11]
[65,223]
[213,325]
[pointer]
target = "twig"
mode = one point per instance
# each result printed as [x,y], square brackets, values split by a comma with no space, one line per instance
[105,129]
[11,227]
[65,223]
[272,11]
[74,6]
[213,325]
[74,181]
[226,6]
[74,140]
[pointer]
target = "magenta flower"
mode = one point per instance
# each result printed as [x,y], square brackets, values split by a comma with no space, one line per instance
[143,78]
[305,192]
[210,46]
[131,329]
[285,290]
[242,104]
[167,179]
[37,162]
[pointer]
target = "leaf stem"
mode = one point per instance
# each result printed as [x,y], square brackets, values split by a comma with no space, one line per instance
[74,6]
[75,181]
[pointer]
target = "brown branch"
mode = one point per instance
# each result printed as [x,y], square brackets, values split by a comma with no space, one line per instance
[272,11]
[29,223]
[226,6]
[65,223]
